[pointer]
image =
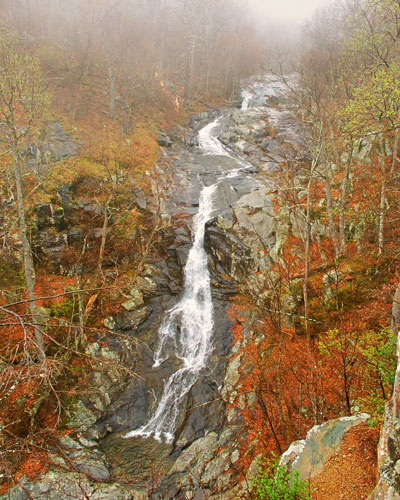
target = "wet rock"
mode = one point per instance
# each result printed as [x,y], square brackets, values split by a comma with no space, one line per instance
[130,409]
[205,463]
[199,120]
[194,457]
[232,376]
[92,466]
[132,319]
[142,460]
[225,196]
[230,255]
[204,410]
[182,254]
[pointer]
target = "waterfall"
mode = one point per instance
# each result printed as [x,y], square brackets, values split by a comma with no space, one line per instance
[246,96]
[185,331]
[209,144]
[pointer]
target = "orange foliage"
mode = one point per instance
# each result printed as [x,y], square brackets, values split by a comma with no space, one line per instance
[286,384]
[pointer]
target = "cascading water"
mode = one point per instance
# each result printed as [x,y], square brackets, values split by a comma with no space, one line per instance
[185,331]
[209,144]
[246,96]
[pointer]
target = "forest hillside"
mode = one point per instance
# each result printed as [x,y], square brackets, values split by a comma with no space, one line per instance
[169,170]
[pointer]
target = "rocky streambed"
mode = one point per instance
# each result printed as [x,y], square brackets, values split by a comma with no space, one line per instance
[97,458]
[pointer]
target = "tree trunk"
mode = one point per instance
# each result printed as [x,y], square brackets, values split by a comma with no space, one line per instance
[29,269]
[396,330]
[103,239]
[111,78]
[395,148]
[382,202]
[307,238]
[189,69]
[332,229]
[343,199]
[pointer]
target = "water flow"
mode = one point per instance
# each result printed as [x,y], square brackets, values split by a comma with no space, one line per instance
[209,144]
[246,96]
[185,331]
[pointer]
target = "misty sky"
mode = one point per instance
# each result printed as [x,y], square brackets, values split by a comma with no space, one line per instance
[287,10]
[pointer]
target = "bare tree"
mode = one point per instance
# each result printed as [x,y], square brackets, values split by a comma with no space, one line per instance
[23,104]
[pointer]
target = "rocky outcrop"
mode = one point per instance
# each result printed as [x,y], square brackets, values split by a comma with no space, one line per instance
[56,145]
[309,455]
[56,485]
[389,446]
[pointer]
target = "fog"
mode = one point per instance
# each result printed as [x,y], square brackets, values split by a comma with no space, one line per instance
[201,45]
[286,11]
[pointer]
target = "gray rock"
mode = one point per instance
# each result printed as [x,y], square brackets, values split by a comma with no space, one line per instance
[225,196]
[80,417]
[165,141]
[388,487]
[56,485]
[196,455]
[55,146]
[309,455]
[135,302]
[95,468]
[109,323]
[132,319]
[148,286]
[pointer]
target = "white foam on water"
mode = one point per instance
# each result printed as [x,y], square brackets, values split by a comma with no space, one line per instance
[186,331]
[246,96]
[209,143]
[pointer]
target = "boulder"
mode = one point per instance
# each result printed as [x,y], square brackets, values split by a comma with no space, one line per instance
[255,219]
[80,417]
[388,487]
[165,141]
[55,146]
[309,455]
[135,301]
[56,485]
[132,319]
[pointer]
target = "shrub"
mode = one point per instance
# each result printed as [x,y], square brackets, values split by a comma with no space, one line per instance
[276,482]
